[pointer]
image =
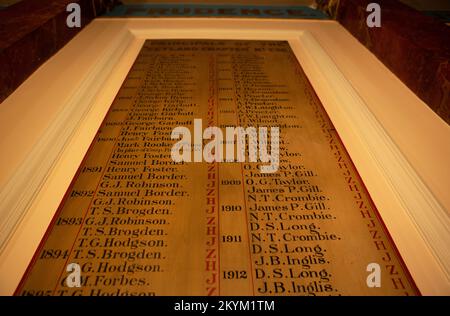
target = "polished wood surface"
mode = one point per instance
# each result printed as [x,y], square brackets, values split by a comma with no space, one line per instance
[138,223]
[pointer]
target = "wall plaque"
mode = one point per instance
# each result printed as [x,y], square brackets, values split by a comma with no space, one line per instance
[136,222]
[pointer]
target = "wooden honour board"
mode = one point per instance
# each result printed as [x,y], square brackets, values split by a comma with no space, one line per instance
[138,223]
